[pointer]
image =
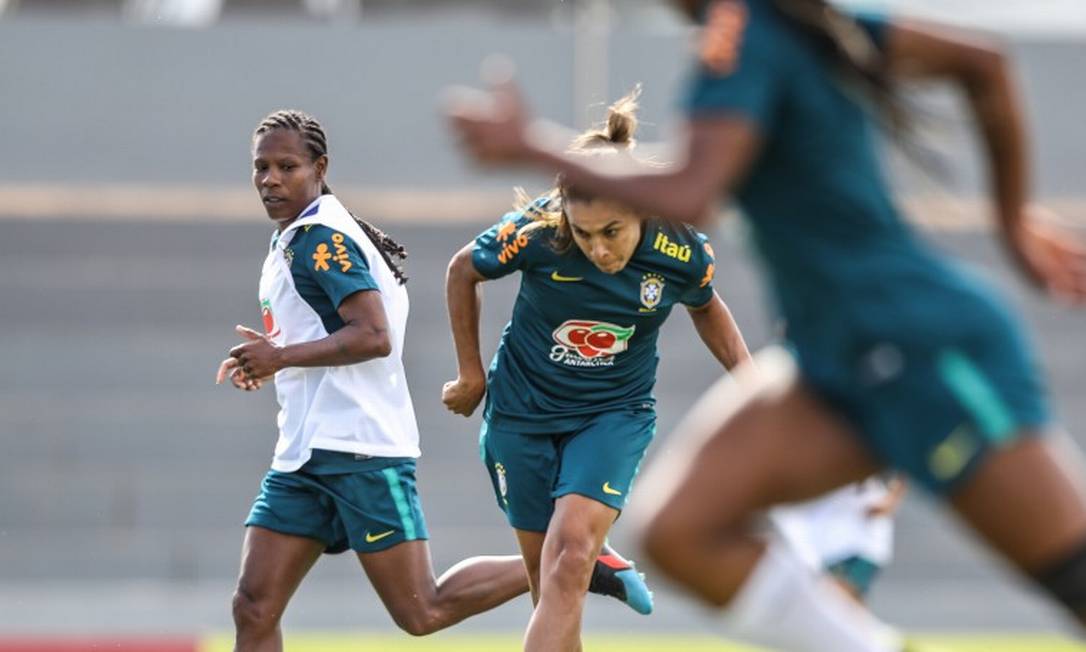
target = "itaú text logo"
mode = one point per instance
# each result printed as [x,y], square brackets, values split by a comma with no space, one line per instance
[593,342]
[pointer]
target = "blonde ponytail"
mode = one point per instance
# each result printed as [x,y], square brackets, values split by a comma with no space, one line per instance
[613,136]
[619,129]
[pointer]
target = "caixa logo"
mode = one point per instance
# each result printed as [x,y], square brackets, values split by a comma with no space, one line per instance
[589,343]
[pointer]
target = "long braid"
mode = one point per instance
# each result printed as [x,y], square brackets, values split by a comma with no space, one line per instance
[389,248]
[853,51]
[867,67]
[316,142]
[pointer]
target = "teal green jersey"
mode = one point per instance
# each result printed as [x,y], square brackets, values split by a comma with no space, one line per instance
[323,276]
[580,341]
[923,360]
[818,202]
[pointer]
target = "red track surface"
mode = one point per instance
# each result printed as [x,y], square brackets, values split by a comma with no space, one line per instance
[92,644]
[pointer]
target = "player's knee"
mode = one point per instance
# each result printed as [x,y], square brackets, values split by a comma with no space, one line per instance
[573,562]
[419,621]
[1065,580]
[252,614]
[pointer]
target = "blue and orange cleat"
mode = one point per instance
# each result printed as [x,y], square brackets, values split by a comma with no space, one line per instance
[618,578]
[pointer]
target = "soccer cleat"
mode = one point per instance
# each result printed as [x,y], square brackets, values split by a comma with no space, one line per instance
[618,578]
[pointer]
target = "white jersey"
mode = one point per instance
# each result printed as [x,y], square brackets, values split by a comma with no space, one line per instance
[836,526]
[363,408]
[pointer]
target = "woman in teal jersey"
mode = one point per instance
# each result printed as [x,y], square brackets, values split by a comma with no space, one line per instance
[902,359]
[569,408]
[343,475]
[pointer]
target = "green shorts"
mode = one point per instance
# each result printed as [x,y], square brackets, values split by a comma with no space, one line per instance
[344,501]
[599,460]
[858,572]
[933,401]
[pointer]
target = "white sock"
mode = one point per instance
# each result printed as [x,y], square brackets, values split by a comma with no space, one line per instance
[785,605]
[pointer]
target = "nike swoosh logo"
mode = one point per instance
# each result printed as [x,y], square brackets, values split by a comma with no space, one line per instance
[555,276]
[608,490]
[370,538]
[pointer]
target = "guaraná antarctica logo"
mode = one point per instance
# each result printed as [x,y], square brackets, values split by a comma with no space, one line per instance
[270,327]
[503,486]
[586,343]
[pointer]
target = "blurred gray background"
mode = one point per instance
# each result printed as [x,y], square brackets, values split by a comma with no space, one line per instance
[126,473]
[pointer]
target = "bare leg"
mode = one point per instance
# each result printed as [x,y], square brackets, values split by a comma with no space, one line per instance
[1028,502]
[746,445]
[272,567]
[531,549]
[403,576]
[576,532]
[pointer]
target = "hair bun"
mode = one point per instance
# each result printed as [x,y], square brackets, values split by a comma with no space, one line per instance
[618,132]
[622,119]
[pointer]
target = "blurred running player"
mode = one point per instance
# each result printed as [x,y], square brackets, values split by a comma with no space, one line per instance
[569,409]
[902,359]
[343,476]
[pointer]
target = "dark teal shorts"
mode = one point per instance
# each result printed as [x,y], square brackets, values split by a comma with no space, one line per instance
[933,402]
[599,460]
[857,572]
[344,501]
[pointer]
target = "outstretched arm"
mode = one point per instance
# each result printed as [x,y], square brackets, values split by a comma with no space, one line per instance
[714,155]
[720,333]
[1049,256]
[976,64]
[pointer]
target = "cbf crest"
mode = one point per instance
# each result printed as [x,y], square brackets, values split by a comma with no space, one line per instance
[652,291]
[503,487]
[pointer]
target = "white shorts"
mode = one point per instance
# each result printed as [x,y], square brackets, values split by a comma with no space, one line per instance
[836,526]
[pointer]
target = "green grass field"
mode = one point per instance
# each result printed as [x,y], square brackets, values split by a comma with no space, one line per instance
[316,642]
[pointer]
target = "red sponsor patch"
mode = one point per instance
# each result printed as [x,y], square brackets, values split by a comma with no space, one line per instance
[97,644]
[592,339]
[269,319]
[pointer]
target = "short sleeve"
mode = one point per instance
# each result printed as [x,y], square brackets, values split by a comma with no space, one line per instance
[700,289]
[335,262]
[504,248]
[740,68]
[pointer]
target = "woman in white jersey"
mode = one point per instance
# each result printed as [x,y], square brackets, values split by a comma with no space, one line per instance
[343,476]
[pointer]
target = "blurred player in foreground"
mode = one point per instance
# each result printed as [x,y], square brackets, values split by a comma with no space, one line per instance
[902,359]
[569,409]
[343,475]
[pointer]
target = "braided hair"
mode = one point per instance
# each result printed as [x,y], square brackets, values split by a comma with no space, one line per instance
[316,142]
[854,53]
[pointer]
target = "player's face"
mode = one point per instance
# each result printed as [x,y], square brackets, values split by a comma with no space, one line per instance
[607,233]
[285,175]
